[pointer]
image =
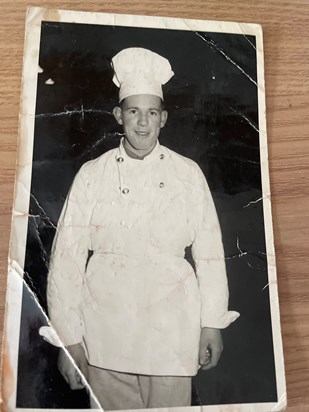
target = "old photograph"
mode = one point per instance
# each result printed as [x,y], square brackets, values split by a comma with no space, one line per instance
[142,268]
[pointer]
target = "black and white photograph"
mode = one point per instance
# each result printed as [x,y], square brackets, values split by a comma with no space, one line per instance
[142,267]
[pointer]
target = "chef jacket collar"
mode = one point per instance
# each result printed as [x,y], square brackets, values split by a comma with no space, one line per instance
[133,155]
[154,154]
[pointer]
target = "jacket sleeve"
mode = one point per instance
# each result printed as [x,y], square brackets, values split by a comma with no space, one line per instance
[209,259]
[68,262]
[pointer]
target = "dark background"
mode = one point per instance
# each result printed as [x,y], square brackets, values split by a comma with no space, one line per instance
[213,119]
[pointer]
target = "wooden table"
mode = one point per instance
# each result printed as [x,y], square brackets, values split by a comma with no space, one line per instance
[286,44]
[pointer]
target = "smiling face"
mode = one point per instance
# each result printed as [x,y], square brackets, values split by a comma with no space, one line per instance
[142,117]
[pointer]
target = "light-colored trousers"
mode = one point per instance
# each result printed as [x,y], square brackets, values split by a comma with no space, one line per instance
[117,391]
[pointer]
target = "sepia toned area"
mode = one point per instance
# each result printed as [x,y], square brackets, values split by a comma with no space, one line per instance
[285,87]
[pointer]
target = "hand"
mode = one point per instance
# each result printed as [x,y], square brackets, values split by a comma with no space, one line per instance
[211,347]
[67,368]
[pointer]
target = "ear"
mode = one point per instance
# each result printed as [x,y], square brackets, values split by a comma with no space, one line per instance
[117,112]
[164,116]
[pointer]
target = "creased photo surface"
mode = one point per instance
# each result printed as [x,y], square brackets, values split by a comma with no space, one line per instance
[142,268]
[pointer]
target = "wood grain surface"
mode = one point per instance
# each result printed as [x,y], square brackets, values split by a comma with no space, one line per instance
[286,44]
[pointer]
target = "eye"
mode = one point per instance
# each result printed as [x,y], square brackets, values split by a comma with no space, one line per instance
[132,111]
[153,113]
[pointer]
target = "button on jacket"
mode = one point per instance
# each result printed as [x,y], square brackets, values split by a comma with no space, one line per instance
[136,304]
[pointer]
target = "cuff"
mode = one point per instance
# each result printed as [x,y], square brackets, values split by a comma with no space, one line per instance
[222,322]
[49,335]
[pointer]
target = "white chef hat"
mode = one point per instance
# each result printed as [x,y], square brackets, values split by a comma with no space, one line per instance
[140,71]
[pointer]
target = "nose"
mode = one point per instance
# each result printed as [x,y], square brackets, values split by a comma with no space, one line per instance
[142,119]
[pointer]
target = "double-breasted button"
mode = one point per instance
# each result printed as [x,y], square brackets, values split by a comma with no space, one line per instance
[125,191]
[162,156]
[120,159]
[161,185]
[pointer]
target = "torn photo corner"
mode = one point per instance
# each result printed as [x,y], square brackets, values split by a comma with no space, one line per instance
[142,241]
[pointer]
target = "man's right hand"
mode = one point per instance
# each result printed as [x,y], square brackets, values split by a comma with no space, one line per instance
[69,371]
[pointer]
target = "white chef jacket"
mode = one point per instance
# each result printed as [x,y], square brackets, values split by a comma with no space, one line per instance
[136,304]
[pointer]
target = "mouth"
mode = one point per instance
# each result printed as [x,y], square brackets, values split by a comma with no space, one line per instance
[140,133]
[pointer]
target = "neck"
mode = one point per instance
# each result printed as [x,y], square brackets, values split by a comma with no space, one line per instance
[135,153]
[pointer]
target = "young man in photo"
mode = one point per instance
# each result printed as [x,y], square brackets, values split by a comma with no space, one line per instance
[137,318]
